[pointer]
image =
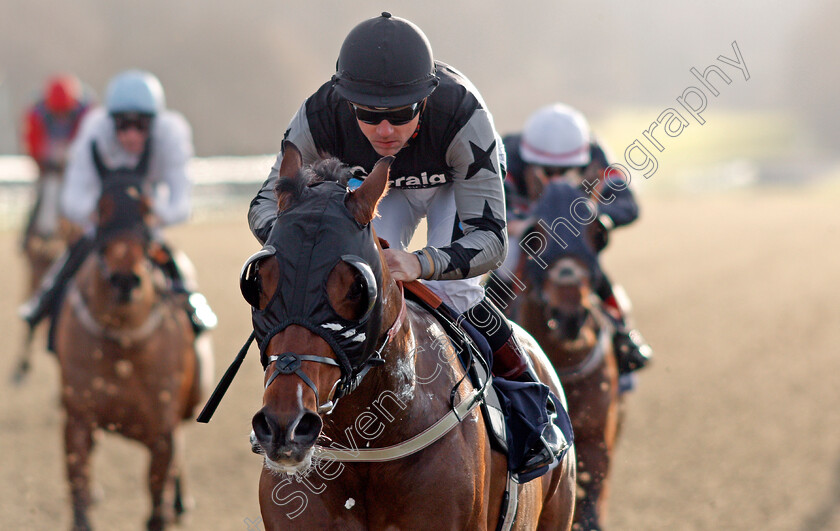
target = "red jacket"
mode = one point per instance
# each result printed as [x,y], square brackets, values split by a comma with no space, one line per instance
[47,136]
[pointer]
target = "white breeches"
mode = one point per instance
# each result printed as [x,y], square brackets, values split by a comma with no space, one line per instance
[400,213]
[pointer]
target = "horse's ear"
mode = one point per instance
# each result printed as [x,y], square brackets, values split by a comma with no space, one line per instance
[292,160]
[362,202]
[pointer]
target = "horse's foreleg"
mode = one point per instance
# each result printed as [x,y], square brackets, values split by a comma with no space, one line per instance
[78,443]
[558,510]
[593,466]
[182,501]
[161,481]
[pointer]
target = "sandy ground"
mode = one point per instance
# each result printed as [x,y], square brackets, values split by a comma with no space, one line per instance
[735,427]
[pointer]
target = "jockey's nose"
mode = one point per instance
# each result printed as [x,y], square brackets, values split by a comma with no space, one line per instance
[384,128]
[276,435]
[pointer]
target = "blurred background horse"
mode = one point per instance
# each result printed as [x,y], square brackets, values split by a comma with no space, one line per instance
[42,240]
[127,356]
[558,307]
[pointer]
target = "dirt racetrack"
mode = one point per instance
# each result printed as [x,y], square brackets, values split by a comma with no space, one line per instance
[735,427]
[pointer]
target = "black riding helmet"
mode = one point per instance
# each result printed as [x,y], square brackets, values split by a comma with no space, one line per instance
[385,62]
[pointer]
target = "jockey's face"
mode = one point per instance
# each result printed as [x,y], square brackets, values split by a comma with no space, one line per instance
[385,137]
[132,131]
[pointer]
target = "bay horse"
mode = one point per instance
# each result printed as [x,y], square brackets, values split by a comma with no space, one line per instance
[386,401]
[561,311]
[42,239]
[127,357]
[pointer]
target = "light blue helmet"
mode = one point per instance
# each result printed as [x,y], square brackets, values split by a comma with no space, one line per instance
[135,91]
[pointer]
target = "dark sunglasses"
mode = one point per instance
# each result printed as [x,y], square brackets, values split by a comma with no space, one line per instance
[552,171]
[398,116]
[124,122]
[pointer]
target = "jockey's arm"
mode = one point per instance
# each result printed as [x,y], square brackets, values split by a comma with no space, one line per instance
[608,188]
[34,137]
[82,187]
[171,195]
[617,203]
[476,155]
[263,209]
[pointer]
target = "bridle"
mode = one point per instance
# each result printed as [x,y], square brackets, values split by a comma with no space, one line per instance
[291,363]
[597,353]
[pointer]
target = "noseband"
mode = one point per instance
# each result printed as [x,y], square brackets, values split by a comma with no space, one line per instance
[290,363]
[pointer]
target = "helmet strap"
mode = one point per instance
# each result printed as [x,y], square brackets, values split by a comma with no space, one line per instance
[420,121]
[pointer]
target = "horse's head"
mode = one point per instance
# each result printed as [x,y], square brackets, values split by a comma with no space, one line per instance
[122,238]
[322,301]
[560,281]
[566,295]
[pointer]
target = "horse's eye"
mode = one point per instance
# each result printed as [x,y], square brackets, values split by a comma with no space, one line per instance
[363,288]
[355,299]
[357,289]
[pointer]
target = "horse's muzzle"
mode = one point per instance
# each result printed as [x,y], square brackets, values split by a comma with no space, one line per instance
[286,441]
[125,284]
[567,325]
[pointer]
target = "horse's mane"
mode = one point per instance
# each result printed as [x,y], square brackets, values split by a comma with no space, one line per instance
[289,190]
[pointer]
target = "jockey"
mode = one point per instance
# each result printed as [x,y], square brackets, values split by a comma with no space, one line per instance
[51,123]
[390,97]
[556,143]
[133,136]
[49,127]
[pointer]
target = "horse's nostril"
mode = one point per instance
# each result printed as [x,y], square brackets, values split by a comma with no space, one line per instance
[307,430]
[124,283]
[275,435]
[261,428]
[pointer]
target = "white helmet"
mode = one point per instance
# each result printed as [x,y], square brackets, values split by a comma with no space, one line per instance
[135,91]
[556,135]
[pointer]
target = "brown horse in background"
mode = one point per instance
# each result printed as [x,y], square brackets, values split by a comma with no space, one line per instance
[42,241]
[456,481]
[126,350]
[564,316]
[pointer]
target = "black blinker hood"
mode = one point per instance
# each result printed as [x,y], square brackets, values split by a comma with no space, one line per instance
[308,240]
